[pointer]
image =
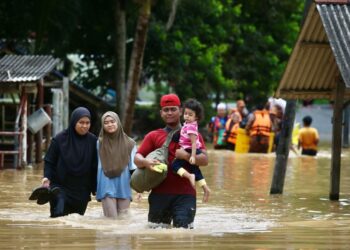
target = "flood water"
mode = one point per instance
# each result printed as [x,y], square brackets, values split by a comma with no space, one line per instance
[241,214]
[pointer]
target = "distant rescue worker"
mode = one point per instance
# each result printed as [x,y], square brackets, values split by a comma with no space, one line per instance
[217,126]
[242,112]
[259,130]
[231,130]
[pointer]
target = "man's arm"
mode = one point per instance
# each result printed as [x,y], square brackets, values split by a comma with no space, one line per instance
[142,162]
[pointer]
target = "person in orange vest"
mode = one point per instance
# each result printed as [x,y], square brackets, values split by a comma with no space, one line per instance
[259,129]
[231,130]
[217,127]
[237,119]
[308,138]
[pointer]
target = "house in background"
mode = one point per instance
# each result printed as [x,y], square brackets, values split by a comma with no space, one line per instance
[319,67]
[26,95]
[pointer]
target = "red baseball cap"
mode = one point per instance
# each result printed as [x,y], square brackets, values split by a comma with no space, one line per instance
[170,100]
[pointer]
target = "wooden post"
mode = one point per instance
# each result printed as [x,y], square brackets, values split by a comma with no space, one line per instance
[23,142]
[65,111]
[47,128]
[346,126]
[30,136]
[336,141]
[283,149]
[39,134]
[57,103]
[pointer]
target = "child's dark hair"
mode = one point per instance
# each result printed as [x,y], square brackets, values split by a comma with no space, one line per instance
[307,120]
[196,106]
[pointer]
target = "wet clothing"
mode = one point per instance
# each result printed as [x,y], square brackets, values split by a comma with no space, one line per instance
[217,126]
[114,148]
[310,152]
[115,187]
[75,188]
[73,147]
[64,204]
[231,132]
[261,124]
[259,144]
[71,165]
[164,208]
[308,139]
[260,131]
[116,152]
[178,190]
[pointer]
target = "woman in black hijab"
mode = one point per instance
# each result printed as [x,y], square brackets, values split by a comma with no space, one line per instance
[71,165]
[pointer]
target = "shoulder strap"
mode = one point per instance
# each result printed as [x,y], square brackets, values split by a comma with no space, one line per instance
[165,146]
[169,137]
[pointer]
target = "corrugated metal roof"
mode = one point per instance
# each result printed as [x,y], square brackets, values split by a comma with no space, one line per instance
[18,68]
[321,54]
[336,21]
[332,1]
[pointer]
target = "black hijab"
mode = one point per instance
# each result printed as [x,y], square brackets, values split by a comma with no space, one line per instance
[77,151]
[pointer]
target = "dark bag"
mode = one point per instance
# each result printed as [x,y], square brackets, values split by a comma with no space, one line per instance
[144,179]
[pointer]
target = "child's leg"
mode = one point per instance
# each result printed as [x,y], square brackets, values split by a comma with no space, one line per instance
[201,181]
[191,177]
[177,168]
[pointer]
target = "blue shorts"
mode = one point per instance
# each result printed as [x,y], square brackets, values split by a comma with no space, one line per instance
[167,208]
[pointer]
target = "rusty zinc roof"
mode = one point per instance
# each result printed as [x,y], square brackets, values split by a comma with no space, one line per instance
[27,68]
[321,54]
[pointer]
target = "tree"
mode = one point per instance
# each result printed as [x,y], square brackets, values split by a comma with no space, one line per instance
[210,50]
[120,56]
[267,33]
[135,68]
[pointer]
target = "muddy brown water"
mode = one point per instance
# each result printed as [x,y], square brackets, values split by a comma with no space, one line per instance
[241,214]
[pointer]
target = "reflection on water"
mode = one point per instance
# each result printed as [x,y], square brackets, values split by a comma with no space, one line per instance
[240,214]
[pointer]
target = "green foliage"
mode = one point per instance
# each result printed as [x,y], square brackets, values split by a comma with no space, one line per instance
[268,32]
[233,49]
[215,49]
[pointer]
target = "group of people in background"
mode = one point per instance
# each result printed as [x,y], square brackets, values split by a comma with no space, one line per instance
[262,127]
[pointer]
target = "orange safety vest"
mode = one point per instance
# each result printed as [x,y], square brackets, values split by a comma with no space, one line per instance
[231,131]
[262,123]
